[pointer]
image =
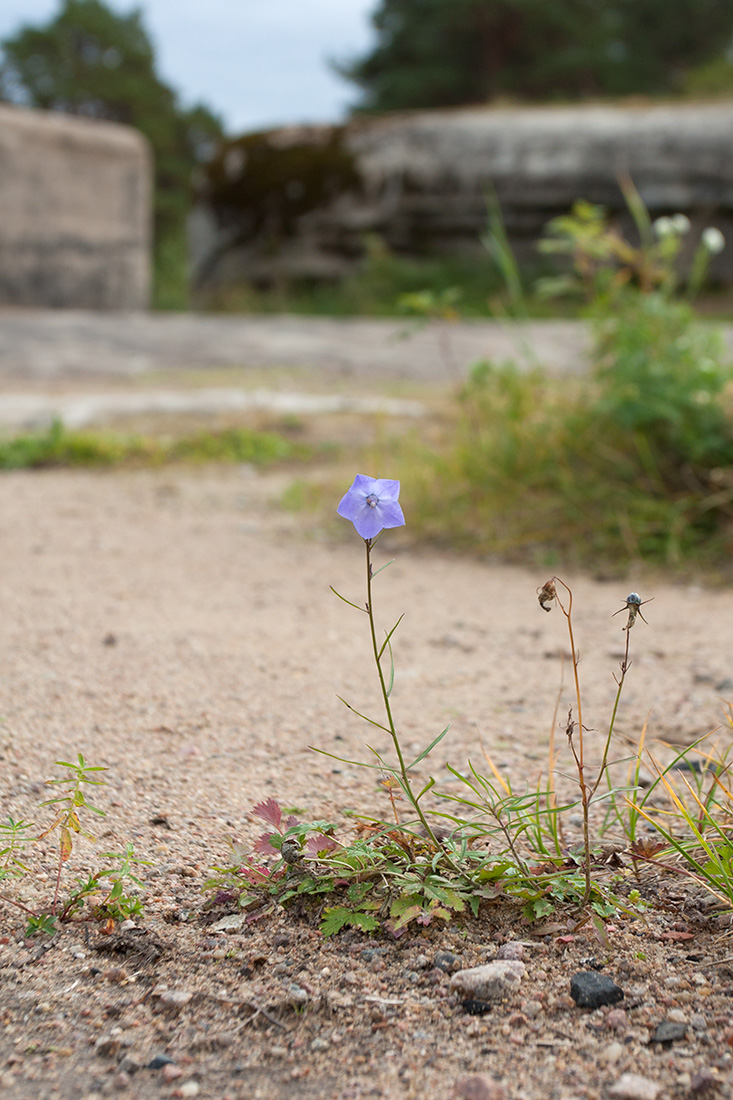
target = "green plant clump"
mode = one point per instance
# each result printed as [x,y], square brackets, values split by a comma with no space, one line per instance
[59,446]
[633,461]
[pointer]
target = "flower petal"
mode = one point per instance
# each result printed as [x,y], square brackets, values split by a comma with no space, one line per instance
[391,513]
[368,523]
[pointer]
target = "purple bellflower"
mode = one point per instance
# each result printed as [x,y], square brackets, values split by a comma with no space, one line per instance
[371,505]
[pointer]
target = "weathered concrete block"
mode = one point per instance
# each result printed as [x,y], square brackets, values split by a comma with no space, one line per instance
[75,212]
[299,201]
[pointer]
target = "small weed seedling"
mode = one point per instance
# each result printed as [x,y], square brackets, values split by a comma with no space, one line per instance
[107,890]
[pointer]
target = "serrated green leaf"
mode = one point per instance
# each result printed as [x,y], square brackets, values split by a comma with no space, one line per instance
[403,902]
[365,921]
[358,891]
[445,895]
[396,924]
[334,919]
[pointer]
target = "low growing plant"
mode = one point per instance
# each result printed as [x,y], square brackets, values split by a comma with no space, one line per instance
[107,891]
[431,862]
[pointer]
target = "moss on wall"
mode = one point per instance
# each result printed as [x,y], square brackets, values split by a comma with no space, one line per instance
[262,184]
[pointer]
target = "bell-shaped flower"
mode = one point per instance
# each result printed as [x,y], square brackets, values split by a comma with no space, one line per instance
[371,505]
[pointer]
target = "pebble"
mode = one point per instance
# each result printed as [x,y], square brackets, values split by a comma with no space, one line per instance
[188,1089]
[478,1087]
[668,1031]
[175,998]
[532,1009]
[422,962]
[511,950]
[611,1054]
[171,1071]
[632,1086]
[320,1044]
[677,1016]
[698,1021]
[107,1046]
[591,990]
[617,1019]
[703,1081]
[490,982]
[446,962]
[121,1081]
[129,1064]
[159,1061]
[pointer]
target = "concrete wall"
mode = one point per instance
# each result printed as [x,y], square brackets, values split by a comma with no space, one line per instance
[422,179]
[75,212]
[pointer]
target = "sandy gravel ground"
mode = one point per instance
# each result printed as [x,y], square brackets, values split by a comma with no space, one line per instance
[177,628]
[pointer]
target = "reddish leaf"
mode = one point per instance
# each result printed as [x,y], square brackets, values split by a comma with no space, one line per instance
[320,845]
[264,844]
[269,811]
[677,936]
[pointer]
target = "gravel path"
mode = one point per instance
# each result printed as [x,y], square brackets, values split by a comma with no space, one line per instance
[177,628]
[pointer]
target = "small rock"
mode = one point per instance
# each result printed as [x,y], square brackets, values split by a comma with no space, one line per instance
[677,1016]
[511,950]
[591,990]
[129,1065]
[476,1008]
[116,974]
[121,1081]
[127,925]
[617,1019]
[446,962]
[107,1046]
[422,962]
[478,1087]
[631,1086]
[703,1082]
[175,998]
[611,1054]
[320,1044]
[231,923]
[159,1061]
[698,1021]
[532,1009]
[171,1071]
[668,1032]
[490,982]
[188,1089]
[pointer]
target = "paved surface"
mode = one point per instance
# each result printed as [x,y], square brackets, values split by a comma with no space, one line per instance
[52,344]
[84,367]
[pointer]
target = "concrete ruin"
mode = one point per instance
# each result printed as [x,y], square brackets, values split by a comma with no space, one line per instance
[301,201]
[75,212]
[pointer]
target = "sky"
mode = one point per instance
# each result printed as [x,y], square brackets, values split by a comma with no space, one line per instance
[257,63]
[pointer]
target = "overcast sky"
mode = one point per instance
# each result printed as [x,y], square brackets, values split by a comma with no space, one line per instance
[258,63]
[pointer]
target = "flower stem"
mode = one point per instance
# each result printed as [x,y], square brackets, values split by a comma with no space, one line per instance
[406,786]
[585,790]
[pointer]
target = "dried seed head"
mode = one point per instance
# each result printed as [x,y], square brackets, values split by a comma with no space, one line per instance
[546,594]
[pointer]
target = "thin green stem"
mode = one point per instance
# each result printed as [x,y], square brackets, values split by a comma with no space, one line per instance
[585,791]
[407,787]
[617,700]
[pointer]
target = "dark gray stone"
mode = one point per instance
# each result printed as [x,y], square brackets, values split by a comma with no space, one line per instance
[668,1031]
[591,990]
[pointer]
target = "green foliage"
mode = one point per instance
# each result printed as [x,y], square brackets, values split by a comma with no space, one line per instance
[633,461]
[440,53]
[58,447]
[15,836]
[89,60]
[385,284]
[108,889]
